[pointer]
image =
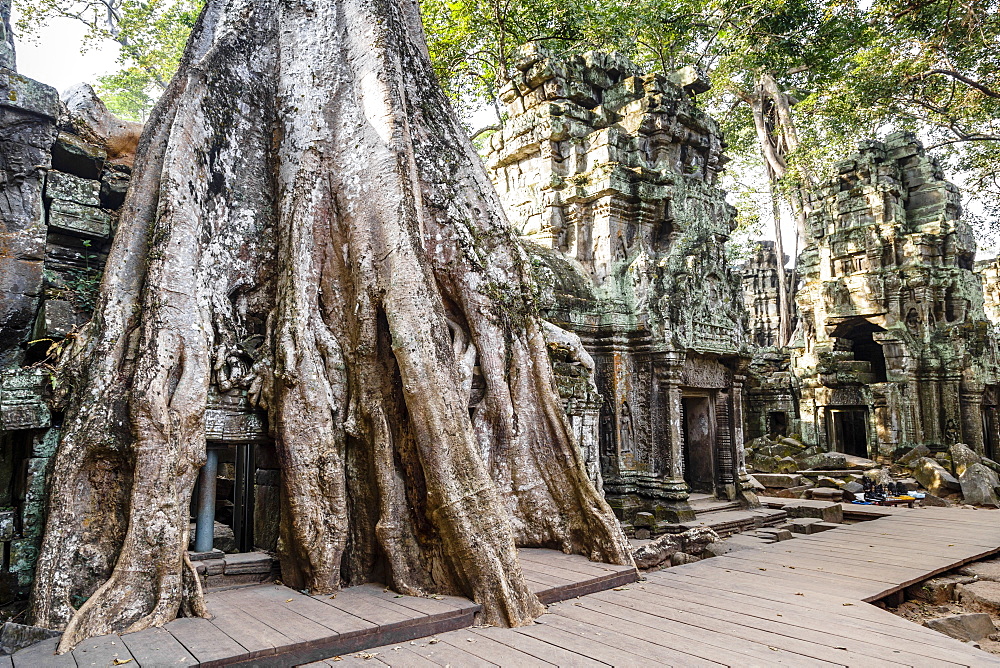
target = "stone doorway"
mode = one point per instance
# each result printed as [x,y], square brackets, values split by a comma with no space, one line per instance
[849,430]
[699,443]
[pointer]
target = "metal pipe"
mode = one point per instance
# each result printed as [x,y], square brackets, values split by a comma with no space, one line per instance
[204,533]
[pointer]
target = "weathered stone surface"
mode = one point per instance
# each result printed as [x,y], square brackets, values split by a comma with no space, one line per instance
[914,454]
[970,627]
[7,59]
[826,511]
[657,552]
[779,480]
[56,319]
[62,186]
[78,220]
[266,517]
[91,119]
[938,590]
[984,570]
[961,456]
[854,487]
[983,596]
[979,485]
[734,544]
[695,540]
[76,156]
[934,477]
[15,636]
[21,404]
[756,485]
[778,534]
[33,510]
[27,95]
[934,501]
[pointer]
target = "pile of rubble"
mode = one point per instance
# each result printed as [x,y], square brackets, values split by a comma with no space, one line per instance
[785,467]
[963,604]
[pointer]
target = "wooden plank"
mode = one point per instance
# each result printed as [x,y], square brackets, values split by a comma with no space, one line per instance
[448,654]
[298,628]
[42,655]
[915,643]
[6,662]
[258,638]
[264,600]
[364,606]
[204,641]
[593,649]
[558,656]
[157,647]
[831,638]
[101,651]
[701,643]
[398,655]
[487,648]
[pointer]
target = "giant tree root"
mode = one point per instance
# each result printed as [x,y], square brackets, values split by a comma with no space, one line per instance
[308,221]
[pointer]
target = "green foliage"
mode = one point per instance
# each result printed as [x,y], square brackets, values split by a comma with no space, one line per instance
[151,34]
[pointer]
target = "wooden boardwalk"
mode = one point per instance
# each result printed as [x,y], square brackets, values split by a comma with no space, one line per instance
[794,603]
[272,625]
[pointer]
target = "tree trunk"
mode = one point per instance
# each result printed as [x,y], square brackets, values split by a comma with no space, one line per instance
[308,222]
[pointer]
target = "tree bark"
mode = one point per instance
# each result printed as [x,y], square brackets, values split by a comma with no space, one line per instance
[308,220]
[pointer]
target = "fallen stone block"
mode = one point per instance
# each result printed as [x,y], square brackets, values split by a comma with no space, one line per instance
[934,477]
[914,454]
[961,457]
[793,492]
[247,562]
[826,494]
[979,485]
[935,501]
[824,510]
[18,636]
[803,524]
[756,484]
[970,627]
[735,544]
[778,534]
[827,481]
[656,552]
[825,526]
[938,590]
[854,488]
[982,596]
[778,480]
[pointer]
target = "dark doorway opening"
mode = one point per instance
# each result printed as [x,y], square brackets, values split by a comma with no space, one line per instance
[849,430]
[777,424]
[699,444]
[859,332]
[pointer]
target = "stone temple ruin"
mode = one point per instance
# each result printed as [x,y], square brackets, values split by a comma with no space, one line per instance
[666,355]
[611,177]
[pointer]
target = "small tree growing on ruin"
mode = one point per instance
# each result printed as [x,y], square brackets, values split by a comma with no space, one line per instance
[307,221]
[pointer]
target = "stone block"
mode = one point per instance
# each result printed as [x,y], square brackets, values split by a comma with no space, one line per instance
[961,457]
[914,454]
[934,477]
[24,94]
[70,188]
[23,555]
[981,596]
[657,552]
[45,444]
[854,487]
[247,562]
[266,517]
[938,590]
[33,509]
[778,534]
[970,627]
[73,155]
[20,291]
[803,524]
[779,480]
[793,492]
[734,544]
[8,525]
[78,220]
[114,186]
[827,481]
[646,520]
[826,494]
[15,636]
[56,319]
[979,485]
[823,510]
[934,501]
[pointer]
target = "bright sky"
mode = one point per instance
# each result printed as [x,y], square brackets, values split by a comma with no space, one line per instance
[53,56]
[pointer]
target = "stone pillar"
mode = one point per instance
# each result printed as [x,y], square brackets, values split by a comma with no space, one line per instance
[743,486]
[675,491]
[972,417]
[204,537]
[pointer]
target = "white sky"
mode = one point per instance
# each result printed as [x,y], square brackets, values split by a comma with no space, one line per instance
[53,55]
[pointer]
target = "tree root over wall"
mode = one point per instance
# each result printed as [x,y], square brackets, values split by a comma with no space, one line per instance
[308,221]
